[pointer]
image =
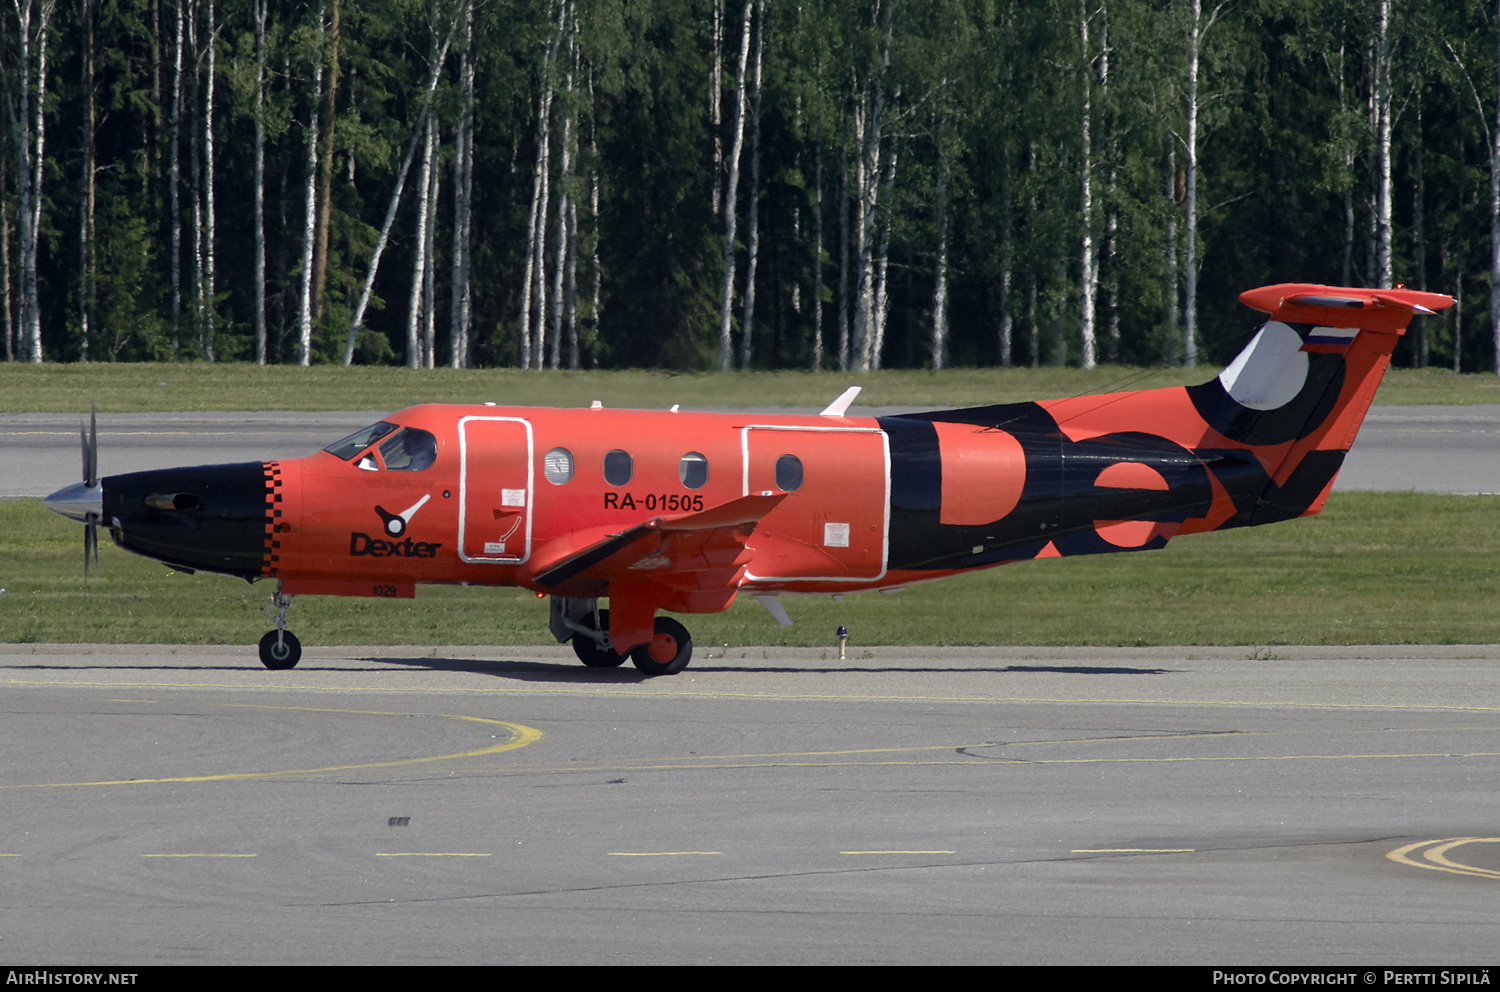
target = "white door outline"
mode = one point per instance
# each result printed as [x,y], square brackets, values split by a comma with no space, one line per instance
[463,493]
[885,529]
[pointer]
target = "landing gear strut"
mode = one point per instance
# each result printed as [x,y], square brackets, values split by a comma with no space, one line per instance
[593,648]
[581,621]
[280,649]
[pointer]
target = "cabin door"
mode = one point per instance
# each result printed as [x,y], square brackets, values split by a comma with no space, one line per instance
[495,489]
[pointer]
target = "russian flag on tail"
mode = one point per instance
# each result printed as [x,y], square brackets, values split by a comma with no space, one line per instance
[1329,338]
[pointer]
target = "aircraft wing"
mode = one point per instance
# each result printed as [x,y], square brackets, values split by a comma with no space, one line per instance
[673,551]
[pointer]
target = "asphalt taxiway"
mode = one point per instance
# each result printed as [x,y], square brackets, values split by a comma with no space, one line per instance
[177,805]
[999,805]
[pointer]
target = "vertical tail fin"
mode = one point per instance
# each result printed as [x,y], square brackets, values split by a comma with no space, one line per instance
[1300,389]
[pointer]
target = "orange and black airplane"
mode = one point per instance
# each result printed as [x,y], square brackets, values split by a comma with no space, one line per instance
[680,511]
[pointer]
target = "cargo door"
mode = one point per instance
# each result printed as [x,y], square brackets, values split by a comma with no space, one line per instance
[833,525]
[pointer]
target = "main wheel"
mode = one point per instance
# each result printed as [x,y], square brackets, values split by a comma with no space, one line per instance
[594,655]
[283,655]
[668,652]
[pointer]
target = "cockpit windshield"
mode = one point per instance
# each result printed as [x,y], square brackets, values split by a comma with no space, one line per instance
[360,440]
[412,450]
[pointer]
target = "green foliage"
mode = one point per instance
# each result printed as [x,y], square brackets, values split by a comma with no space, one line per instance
[1286,148]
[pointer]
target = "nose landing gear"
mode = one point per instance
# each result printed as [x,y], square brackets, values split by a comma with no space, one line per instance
[279,649]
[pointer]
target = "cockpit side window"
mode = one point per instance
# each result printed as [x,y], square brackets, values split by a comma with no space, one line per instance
[412,450]
[360,440]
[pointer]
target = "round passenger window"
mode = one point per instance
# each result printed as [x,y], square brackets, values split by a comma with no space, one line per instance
[788,473]
[617,467]
[557,466]
[693,470]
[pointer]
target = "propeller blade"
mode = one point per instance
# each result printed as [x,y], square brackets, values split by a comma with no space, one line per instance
[90,549]
[91,456]
[89,442]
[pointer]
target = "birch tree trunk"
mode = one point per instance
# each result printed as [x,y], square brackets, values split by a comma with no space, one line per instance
[310,206]
[1109,272]
[1088,283]
[86,188]
[869,182]
[859,331]
[38,164]
[429,271]
[536,226]
[731,192]
[940,271]
[564,194]
[195,173]
[882,260]
[209,328]
[747,325]
[460,313]
[175,182]
[1383,145]
[539,264]
[716,99]
[414,357]
[30,131]
[1197,28]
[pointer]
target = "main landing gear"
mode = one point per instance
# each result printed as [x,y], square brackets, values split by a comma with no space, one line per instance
[591,645]
[581,620]
[668,653]
[279,649]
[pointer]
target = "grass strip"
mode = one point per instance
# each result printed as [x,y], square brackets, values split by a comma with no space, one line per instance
[195,386]
[1374,568]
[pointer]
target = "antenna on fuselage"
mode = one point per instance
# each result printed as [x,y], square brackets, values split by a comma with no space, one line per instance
[838,406]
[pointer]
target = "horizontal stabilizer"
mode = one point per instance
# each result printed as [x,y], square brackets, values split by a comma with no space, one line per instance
[1386,310]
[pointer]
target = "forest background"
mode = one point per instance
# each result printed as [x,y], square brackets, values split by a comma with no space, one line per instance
[696,184]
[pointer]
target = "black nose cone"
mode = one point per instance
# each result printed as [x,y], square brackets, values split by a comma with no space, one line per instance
[211,518]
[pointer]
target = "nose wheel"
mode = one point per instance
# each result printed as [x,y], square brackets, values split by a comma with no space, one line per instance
[279,649]
[668,652]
